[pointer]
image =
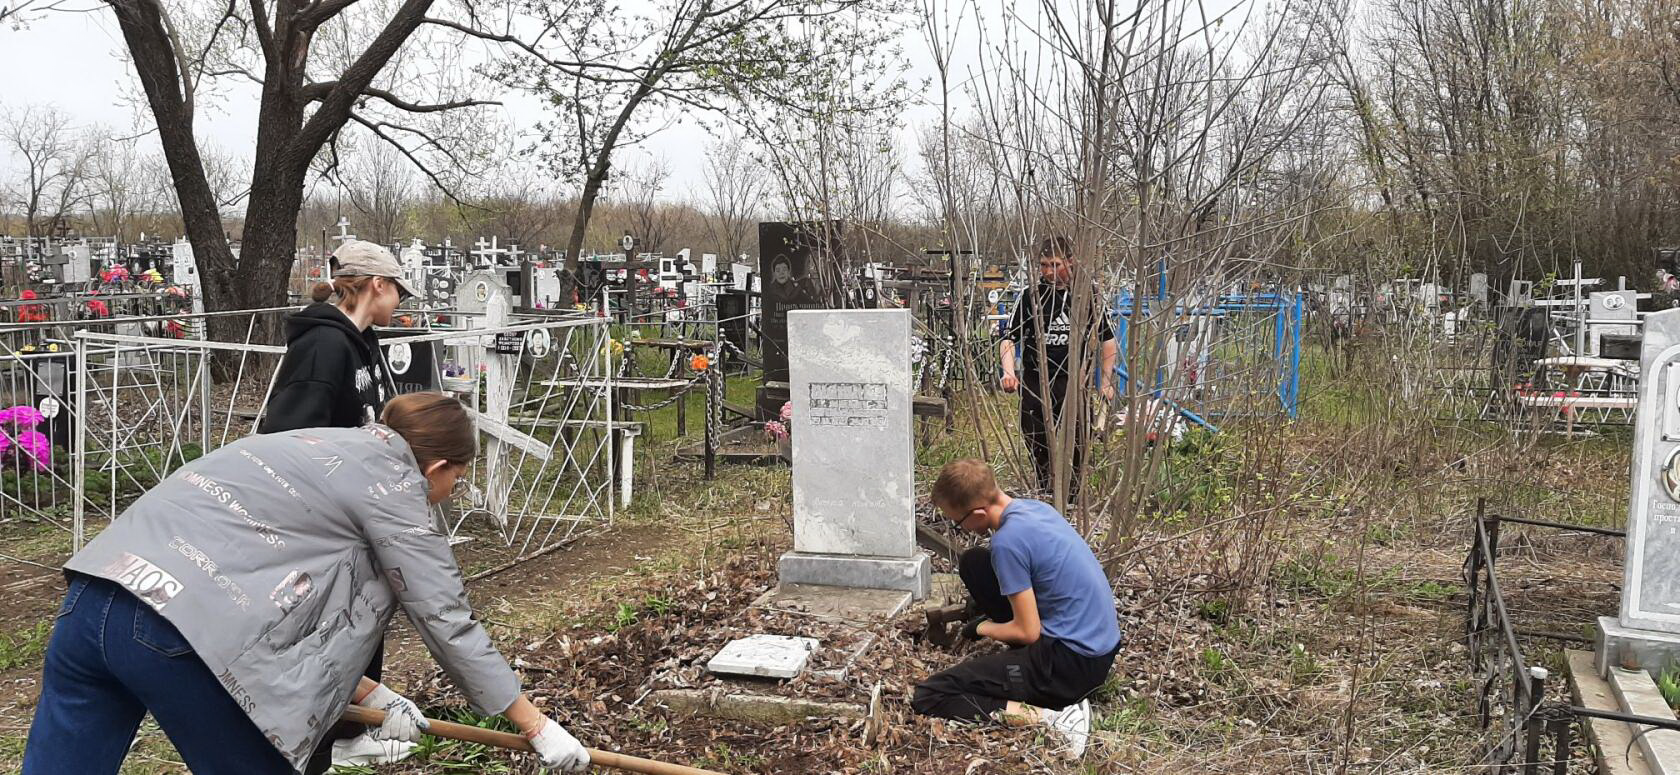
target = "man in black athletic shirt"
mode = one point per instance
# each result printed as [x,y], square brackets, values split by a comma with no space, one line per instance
[1046,312]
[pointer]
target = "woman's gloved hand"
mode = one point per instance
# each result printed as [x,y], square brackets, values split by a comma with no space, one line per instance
[558,749]
[403,719]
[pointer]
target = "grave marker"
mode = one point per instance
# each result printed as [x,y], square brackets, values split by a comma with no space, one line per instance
[854,484]
[790,256]
[1647,633]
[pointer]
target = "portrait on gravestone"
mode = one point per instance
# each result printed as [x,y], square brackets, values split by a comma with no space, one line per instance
[792,257]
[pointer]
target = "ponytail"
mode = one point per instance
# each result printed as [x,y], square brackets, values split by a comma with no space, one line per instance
[349,289]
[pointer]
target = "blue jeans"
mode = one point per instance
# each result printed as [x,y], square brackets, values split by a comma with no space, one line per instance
[111,659]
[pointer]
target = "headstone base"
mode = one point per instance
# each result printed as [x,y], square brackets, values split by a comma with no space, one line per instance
[911,574]
[1632,648]
[853,605]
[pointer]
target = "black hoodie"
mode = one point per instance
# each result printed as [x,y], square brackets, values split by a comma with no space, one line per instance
[333,375]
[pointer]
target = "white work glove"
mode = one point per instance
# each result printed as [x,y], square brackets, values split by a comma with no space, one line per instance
[403,719]
[558,749]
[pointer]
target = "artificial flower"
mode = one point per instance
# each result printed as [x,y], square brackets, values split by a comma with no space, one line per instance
[36,447]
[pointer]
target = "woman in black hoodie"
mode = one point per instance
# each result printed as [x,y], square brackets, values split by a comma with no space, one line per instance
[334,376]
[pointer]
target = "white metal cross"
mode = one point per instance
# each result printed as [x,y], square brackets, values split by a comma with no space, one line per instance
[343,234]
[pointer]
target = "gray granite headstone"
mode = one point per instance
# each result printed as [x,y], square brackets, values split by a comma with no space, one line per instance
[1644,636]
[1604,310]
[1651,589]
[854,484]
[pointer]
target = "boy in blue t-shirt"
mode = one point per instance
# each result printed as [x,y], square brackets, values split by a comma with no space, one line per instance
[1040,590]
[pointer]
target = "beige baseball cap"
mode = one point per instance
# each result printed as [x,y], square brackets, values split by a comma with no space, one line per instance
[359,258]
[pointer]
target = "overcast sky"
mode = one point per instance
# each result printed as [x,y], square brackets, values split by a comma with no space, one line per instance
[74,61]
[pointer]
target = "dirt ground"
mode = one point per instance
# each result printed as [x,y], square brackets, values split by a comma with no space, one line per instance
[1345,656]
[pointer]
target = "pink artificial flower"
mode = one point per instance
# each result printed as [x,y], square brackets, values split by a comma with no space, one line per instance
[776,430]
[35,446]
[6,417]
[787,411]
[26,417]
[5,442]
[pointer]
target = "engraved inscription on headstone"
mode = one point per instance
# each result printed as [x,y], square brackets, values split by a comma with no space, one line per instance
[849,404]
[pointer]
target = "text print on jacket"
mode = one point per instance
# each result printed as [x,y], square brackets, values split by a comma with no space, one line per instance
[281,558]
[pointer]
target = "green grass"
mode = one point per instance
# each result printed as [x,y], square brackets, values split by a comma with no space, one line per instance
[1304,668]
[24,648]
[1432,592]
[1668,684]
[1321,576]
[454,755]
[721,756]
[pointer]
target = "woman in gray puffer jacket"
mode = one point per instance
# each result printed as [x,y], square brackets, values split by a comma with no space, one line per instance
[239,600]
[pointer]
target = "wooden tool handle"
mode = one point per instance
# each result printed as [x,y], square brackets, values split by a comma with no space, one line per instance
[513,742]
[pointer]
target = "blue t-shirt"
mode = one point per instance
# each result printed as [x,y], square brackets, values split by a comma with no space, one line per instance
[1036,548]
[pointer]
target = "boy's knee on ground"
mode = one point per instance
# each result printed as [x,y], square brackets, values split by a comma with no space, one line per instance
[924,699]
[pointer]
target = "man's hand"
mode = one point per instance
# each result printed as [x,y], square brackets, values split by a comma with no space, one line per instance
[1009,383]
[403,719]
[557,748]
[971,630]
[1107,393]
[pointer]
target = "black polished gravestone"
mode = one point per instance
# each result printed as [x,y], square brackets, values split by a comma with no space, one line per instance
[799,262]
[54,396]
[732,318]
[413,364]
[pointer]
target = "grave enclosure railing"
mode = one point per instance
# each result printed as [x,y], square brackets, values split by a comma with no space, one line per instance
[130,407]
[1510,693]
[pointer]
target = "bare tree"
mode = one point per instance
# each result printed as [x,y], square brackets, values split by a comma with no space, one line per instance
[637,191]
[519,204]
[735,189]
[17,15]
[54,164]
[602,70]
[117,184]
[380,186]
[312,85]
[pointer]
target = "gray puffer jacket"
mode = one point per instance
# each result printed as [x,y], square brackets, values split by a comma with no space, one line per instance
[281,558]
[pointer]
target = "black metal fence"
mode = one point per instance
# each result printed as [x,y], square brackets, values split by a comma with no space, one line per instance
[1528,733]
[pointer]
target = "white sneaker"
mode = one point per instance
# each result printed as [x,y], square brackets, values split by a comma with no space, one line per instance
[1073,724]
[363,750]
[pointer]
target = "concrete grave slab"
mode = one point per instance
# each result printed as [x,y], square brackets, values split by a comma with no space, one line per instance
[849,604]
[1638,694]
[1613,740]
[766,656]
[1634,648]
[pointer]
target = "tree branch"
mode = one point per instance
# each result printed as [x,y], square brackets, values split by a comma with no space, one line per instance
[319,12]
[336,106]
[411,107]
[378,130]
